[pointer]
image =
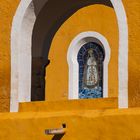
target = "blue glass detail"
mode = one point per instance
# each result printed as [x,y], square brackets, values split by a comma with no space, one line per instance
[88,52]
[90,93]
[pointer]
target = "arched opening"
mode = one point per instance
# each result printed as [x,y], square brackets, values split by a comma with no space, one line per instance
[43,36]
[21,35]
[21,71]
[78,49]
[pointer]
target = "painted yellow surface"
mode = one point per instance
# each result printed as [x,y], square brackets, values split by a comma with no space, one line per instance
[106,25]
[84,119]
[133,14]
[7,11]
[65,105]
[111,124]
[97,18]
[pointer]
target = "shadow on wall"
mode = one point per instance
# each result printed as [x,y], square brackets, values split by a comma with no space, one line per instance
[57,137]
[48,21]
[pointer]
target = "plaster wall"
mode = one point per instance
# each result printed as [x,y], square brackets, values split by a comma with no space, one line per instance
[65,105]
[85,19]
[133,14]
[111,124]
[7,11]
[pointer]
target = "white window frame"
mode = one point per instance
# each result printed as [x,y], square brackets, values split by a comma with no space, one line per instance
[76,44]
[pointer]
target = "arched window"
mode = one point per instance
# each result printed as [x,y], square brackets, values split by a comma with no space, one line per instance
[89,52]
[90,59]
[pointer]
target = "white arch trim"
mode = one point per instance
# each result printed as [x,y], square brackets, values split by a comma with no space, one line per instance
[17,84]
[123,53]
[21,36]
[123,57]
[73,50]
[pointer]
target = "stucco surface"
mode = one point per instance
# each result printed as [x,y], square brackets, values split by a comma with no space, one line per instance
[54,106]
[91,18]
[133,14]
[87,123]
[111,124]
[7,11]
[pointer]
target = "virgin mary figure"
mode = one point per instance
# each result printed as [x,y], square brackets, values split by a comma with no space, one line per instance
[90,71]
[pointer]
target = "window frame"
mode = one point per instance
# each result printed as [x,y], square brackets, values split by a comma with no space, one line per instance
[76,44]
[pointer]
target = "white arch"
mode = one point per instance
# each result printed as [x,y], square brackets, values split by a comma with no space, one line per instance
[123,52]
[73,50]
[21,35]
[123,55]
[21,53]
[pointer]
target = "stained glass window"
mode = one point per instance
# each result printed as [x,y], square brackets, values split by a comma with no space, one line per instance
[90,59]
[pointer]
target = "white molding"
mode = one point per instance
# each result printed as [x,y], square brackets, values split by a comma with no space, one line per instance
[123,52]
[21,85]
[123,55]
[21,35]
[73,50]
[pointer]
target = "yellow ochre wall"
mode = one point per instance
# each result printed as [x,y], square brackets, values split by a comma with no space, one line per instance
[132,8]
[97,18]
[133,14]
[7,11]
[111,124]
